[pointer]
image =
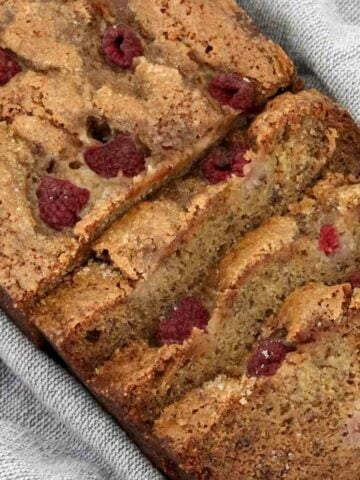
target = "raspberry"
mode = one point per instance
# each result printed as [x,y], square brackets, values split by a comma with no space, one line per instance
[8,67]
[238,161]
[329,239]
[179,323]
[222,163]
[267,358]
[60,202]
[354,279]
[121,45]
[118,154]
[233,90]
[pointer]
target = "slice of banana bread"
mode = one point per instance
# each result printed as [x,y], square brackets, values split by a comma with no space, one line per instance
[95,113]
[320,241]
[164,246]
[295,414]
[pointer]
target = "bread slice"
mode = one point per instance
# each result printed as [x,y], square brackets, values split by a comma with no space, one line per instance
[319,241]
[90,127]
[166,245]
[300,420]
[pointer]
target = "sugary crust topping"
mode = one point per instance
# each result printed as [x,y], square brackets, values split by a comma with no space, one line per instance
[312,309]
[201,409]
[355,301]
[227,40]
[166,114]
[287,112]
[49,41]
[64,101]
[132,372]
[28,256]
[134,242]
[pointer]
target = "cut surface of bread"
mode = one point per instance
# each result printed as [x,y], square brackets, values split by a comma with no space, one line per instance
[164,246]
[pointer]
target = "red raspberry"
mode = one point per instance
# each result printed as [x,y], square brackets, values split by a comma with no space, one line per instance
[60,202]
[179,323]
[238,160]
[329,239]
[233,90]
[354,279]
[222,163]
[8,67]
[118,154]
[267,358]
[121,45]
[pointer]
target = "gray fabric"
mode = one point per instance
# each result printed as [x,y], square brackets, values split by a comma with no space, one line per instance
[323,37]
[50,427]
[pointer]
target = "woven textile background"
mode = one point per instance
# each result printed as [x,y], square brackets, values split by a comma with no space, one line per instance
[50,427]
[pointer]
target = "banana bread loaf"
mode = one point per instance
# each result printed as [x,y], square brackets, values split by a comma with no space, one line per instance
[216,319]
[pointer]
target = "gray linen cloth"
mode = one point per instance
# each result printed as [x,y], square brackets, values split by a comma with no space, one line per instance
[50,427]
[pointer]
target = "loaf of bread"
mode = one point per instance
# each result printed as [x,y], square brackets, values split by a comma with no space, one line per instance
[181,223]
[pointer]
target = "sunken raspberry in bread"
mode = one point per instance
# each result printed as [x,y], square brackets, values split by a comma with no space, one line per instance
[97,110]
[164,246]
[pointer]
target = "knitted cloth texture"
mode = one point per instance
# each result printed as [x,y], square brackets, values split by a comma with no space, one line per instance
[50,426]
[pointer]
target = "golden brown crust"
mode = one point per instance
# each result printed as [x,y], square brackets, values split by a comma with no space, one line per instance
[236,47]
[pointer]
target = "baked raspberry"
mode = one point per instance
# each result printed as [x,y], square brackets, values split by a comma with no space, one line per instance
[267,358]
[233,90]
[179,323]
[60,202]
[238,160]
[329,239]
[224,162]
[8,67]
[354,279]
[120,153]
[121,45]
